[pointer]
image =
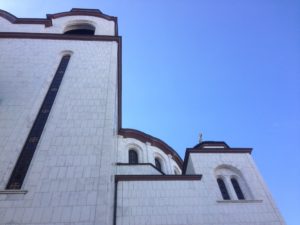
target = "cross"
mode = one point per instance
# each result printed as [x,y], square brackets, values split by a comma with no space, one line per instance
[200,137]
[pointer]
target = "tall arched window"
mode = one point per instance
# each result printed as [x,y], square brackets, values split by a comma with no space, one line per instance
[237,189]
[133,157]
[233,179]
[158,164]
[223,189]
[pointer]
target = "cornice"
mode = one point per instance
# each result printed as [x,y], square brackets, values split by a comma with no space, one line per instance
[212,151]
[49,17]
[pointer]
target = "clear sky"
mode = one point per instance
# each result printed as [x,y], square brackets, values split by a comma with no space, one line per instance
[230,69]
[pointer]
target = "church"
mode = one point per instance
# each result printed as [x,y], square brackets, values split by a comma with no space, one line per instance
[66,159]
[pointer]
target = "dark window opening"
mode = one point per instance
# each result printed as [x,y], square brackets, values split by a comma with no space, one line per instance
[237,189]
[223,189]
[133,157]
[80,29]
[25,157]
[158,164]
[81,32]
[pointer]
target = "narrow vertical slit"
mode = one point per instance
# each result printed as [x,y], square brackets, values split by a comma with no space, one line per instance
[223,189]
[115,201]
[25,157]
[237,189]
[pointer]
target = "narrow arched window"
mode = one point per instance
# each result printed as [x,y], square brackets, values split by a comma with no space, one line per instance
[157,164]
[237,189]
[133,157]
[223,189]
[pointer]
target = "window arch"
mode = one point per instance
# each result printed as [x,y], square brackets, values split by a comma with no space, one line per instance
[231,180]
[80,29]
[223,189]
[133,157]
[237,189]
[158,164]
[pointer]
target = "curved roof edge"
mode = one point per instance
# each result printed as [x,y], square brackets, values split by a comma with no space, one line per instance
[143,137]
[82,12]
[48,21]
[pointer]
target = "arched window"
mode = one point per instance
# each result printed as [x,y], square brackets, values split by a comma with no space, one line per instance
[133,157]
[237,189]
[232,179]
[158,164]
[80,29]
[223,189]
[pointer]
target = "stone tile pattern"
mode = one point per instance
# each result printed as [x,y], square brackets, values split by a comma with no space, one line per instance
[137,170]
[197,202]
[70,179]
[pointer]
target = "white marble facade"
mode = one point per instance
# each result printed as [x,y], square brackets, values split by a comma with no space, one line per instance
[80,172]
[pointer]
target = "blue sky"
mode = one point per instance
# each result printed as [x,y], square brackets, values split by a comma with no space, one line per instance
[230,69]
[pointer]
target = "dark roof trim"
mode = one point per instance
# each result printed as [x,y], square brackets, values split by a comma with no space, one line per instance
[13,19]
[211,143]
[52,36]
[141,164]
[220,150]
[212,151]
[143,137]
[48,21]
[82,12]
[157,177]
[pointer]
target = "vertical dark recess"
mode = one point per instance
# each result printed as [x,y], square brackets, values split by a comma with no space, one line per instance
[115,201]
[157,164]
[237,189]
[133,157]
[25,157]
[223,189]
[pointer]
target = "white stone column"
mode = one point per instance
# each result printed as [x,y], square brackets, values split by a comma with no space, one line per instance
[170,164]
[230,188]
[149,153]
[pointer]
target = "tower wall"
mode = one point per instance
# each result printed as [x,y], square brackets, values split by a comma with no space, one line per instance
[70,178]
[258,205]
[195,201]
